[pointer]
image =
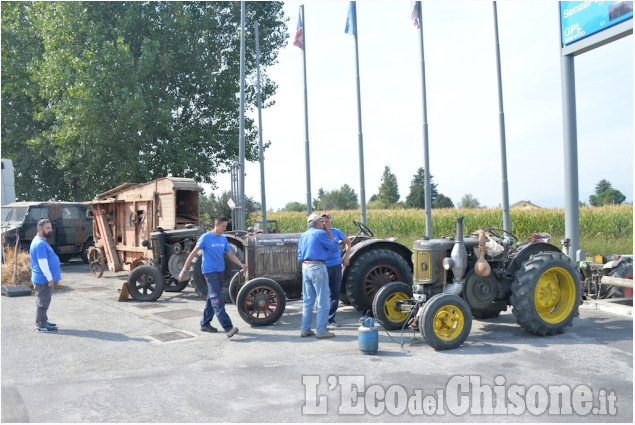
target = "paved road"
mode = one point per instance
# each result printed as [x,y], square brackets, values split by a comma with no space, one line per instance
[107,365]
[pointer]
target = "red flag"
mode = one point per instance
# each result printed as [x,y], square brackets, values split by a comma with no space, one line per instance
[299,33]
[416,14]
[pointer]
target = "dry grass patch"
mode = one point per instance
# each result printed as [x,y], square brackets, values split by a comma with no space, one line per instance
[20,276]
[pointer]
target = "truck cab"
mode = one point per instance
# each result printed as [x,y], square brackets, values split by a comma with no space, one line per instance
[72,228]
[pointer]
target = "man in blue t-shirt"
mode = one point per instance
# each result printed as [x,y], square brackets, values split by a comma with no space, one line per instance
[214,245]
[316,245]
[45,273]
[334,265]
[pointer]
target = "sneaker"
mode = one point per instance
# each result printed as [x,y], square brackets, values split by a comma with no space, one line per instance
[233,331]
[334,324]
[46,329]
[48,325]
[305,334]
[326,334]
[209,328]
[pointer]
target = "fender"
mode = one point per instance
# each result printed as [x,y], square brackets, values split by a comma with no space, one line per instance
[609,266]
[370,244]
[524,255]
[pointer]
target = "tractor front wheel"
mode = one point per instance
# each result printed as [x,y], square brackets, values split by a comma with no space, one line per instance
[145,283]
[445,322]
[261,302]
[387,305]
[371,271]
[546,293]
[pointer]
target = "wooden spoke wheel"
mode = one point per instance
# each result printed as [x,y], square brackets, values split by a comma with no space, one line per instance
[96,261]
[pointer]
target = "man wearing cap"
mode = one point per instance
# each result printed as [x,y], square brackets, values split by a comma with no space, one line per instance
[316,245]
[334,267]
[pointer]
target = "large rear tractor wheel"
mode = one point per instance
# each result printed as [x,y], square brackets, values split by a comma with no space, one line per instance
[196,276]
[237,282]
[370,272]
[261,302]
[145,283]
[387,305]
[445,322]
[624,271]
[198,280]
[546,293]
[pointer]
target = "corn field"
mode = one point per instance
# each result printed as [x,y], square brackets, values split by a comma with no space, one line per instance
[608,223]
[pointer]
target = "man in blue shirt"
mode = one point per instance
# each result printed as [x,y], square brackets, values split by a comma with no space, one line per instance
[214,245]
[316,244]
[45,272]
[334,267]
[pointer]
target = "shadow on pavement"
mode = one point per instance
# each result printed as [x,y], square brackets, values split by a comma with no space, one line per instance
[105,336]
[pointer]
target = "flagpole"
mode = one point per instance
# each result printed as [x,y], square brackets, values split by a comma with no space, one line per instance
[262,155]
[501,122]
[241,146]
[362,190]
[306,119]
[426,152]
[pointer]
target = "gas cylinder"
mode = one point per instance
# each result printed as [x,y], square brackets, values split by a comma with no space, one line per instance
[368,336]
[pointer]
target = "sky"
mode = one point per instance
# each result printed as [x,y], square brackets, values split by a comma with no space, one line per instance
[462,104]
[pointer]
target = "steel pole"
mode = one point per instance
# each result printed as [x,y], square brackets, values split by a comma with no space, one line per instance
[362,185]
[501,125]
[572,207]
[426,151]
[262,155]
[306,122]
[241,147]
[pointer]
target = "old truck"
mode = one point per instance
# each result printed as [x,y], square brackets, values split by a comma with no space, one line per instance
[72,228]
[148,229]
[274,273]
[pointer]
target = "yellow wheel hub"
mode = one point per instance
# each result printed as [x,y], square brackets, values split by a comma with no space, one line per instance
[555,295]
[448,322]
[392,310]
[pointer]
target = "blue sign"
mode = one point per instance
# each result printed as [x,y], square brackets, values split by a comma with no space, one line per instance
[580,19]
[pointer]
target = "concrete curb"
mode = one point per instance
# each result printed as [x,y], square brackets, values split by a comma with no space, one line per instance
[619,306]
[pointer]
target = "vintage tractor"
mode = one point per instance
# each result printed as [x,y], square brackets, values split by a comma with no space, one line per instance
[274,273]
[272,227]
[457,278]
[592,272]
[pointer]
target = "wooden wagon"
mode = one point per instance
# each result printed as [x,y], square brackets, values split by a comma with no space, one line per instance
[149,229]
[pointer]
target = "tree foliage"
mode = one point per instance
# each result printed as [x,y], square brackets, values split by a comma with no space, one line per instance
[442,201]
[212,207]
[416,197]
[469,201]
[95,94]
[605,194]
[343,198]
[295,206]
[388,190]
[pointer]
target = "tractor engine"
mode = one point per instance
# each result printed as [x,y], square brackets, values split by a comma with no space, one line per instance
[170,250]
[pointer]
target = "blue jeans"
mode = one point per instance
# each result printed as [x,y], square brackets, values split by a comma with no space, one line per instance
[335,283]
[215,304]
[315,287]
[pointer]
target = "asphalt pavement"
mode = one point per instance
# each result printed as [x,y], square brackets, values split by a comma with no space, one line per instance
[129,361]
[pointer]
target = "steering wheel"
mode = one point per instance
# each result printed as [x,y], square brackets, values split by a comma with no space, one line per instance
[493,230]
[362,228]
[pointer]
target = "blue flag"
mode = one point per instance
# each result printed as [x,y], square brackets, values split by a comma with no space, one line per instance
[351,20]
